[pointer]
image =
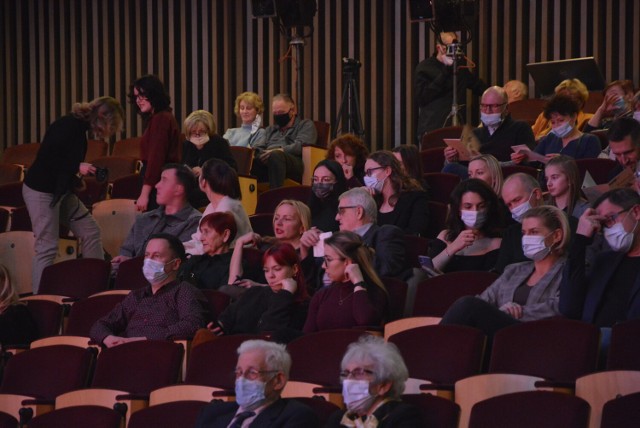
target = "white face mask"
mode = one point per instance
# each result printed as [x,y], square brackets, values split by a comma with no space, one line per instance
[519,211]
[374,183]
[619,239]
[249,393]
[563,130]
[199,141]
[153,271]
[355,394]
[636,115]
[491,119]
[447,60]
[473,219]
[534,248]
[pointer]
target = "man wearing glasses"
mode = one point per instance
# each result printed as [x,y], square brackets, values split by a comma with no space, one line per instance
[261,375]
[608,292]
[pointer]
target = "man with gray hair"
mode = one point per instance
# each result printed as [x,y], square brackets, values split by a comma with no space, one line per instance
[357,212]
[261,375]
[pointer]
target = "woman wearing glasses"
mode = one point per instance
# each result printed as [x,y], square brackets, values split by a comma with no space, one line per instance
[401,200]
[373,375]
[356,295]
[160,142]
[328,184]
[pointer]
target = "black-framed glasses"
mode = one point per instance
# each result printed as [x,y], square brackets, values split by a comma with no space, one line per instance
[251,374]
[491,106]
[370,170]
[141,97]
[357,373]
[341,209]
[611,219]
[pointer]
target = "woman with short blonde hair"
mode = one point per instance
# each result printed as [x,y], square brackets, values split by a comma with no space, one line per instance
[249,108]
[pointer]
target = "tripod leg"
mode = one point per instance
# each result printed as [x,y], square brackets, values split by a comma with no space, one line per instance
[339,117]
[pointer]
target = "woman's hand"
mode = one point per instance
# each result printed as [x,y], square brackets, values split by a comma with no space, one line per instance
[518,157]
[249,239]
[215,329]
[142,202]
[247,283]
[550,156]
[353,273]
[86,168]
[290,285]
[464,239]
[450,154]
[513,309]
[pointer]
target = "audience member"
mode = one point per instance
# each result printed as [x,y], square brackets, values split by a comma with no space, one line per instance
[160,142]
[433,86]
[373,375]
[487,168]
[516,90]
[636,104]
[565,138]
[203,143]
[249,108]
[261,375]
[350,152]
[279,156]
[563,183]
[624,144]
[49,183]
[357,212]
[575,89]
[17,327]
[164,309]
[356,296]
[210,270]
[402,201]
[526,291]
[328,184]
[617,103]
[409,157]
[220,184]
[474,225]
[174,216]
[606,293]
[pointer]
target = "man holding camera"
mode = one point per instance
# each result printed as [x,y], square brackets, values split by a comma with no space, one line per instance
[434,86]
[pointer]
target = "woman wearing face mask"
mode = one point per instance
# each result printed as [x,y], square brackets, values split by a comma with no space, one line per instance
[526,291]
[565,138]
[328,183]
[373,375]
[281,304]
[402,201]
[617,102]
[356,296]
[351,153]
[474,225]
[249,108]
[563,183]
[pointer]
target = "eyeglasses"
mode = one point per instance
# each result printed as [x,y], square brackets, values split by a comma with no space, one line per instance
[328,259]
[252,374]
[357,373]
[369,171]
[341,209]
[491,106]
[141,97]
[611,219]
[199,133]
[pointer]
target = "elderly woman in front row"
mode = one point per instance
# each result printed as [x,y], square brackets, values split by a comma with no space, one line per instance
[373,375]
[526,291]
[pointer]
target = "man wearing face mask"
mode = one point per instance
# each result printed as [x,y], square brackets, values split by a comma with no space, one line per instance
[608,292]
[434,86]
[261,375]
[373,376]
[164,309]
[279,155]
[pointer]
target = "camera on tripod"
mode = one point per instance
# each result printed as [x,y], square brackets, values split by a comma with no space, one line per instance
[454,49]
[350,65]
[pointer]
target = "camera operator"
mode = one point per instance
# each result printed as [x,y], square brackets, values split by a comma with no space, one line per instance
[434,86]
[58,168]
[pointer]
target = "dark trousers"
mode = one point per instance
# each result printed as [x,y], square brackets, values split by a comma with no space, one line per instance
[474,312]
[279,166]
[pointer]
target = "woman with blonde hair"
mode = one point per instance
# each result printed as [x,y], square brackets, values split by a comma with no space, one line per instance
[50,181]
[356,296]
[563,184]
[203,143]
[487,168]
[16,325]
[249,108]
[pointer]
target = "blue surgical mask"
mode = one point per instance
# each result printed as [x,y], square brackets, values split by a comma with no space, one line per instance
[153,270]
[519,211]
[356,395]
[249,393]
[619,239]
[373,183]
[620,105]
[534,248]
[563,130]
[491,119]
[473,219]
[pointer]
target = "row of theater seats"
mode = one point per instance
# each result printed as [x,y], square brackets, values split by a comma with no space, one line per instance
[448,362]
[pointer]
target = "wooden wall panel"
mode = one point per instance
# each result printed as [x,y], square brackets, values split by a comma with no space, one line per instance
[54,53]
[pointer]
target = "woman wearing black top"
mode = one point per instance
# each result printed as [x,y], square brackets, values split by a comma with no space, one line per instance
[328,184]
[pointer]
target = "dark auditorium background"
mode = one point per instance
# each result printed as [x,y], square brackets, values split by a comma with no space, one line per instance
[54,53]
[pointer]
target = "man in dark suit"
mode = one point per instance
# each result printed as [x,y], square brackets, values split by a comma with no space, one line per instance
[261,375]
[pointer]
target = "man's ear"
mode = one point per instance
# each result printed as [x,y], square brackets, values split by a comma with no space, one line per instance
[279,382]
[635,212]
[176,264]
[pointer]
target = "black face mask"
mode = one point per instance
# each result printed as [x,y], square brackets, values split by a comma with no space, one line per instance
[322,190]
[281,119]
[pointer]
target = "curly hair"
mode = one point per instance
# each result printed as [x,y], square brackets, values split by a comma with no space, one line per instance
[152,88]
[494,224]
[104,114]
[350,146]
[250,98]
[565,105]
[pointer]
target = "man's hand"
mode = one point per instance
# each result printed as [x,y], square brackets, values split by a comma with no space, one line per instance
[519,157]
[589,223]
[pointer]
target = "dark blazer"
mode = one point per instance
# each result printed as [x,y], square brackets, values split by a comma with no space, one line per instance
[282,413]
[388,242]
[509,133]
[582,292]
[392,414]
[411,213]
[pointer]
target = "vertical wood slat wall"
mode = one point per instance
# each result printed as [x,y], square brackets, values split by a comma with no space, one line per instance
[54,53]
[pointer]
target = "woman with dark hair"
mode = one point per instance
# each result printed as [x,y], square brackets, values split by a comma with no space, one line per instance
[50,181]
[563,183]
[617,102]
[220,183]
[211,269]
[409,157]
[161,139]
[350,152]
[203,143]
[402,201]
[565,138]
[472,239]
[279,305]
[356,296]
[328,184]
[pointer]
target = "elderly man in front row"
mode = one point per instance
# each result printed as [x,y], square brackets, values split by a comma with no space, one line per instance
[164,309]
[261,375]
